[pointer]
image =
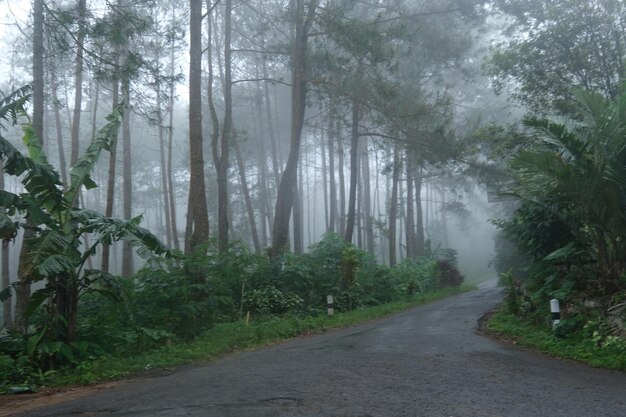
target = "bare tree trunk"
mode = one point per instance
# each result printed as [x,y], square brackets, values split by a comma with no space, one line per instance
[419,216]
[342,182]
[127,250]
[108,211]
[444,219]
[198,213]
[248,200]
[367,198]
[24,271]
[298,244]
[59,130]
[285,197]
[170,146]
[354,171]
[324,181]
[164,180]
[410,204]
[332,137]
[7,305]
[221,150]
[393,203]
[78,80]
[270,126]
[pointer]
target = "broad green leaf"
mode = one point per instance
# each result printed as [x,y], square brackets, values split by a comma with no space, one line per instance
[561,253]
[79,173]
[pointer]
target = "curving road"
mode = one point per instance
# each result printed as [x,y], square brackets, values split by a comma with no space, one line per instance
[424,362]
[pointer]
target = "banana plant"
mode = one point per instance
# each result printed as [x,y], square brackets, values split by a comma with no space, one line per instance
[57,253]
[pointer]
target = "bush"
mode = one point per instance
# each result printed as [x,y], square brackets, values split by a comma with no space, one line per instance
[448,274]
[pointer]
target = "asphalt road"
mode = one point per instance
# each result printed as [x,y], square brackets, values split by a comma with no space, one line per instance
[424,362]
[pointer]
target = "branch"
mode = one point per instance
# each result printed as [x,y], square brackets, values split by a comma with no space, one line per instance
[273,80]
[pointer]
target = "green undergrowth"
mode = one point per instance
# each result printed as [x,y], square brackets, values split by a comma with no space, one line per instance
[225,338]
[606,353]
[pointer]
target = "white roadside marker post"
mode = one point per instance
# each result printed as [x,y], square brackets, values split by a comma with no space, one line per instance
[329,305]
[555,310]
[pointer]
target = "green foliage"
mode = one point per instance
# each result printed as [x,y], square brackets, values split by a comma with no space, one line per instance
[271,301]
[53,254]
[551,46]
[590,347]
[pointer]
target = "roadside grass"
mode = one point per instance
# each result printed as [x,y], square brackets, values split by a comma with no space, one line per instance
[225,338]
[608,353]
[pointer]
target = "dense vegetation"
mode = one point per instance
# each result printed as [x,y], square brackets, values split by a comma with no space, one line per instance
[81,314]
[349,127]
[566,171]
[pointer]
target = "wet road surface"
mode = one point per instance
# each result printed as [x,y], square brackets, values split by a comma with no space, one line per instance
[424,362]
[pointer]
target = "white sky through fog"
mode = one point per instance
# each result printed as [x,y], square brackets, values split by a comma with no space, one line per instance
[13,18]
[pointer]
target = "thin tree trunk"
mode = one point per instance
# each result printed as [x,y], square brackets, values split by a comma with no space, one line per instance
[7,305]
[170,145]
[78,80]
[332,137]
[354,171]
[342,182]
[270,126]
[221,150]
[59,130]
[248,200]
[367,198]
[164,181]
[324,181]
[419,216]
[393,203]
[127,250]
[298,246]
[110,198]
[410,204]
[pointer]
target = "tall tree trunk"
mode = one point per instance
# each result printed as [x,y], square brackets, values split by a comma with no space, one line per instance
[410,204]
[367,198]
[444,219]
[7,305]
[198,213]
[332,137]
[342,181]
[298,243]
[419,216]
[59,130]
[127,250]
[164,181]
[221,150]
[285,197]
[24,271]
[354,171]
[393,204]
[324,181]
[78,80]
[246,195]
[110,198]
[276,165]
[170,145]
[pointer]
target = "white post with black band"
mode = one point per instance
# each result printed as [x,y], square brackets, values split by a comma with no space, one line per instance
[555,311]
[330,305]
